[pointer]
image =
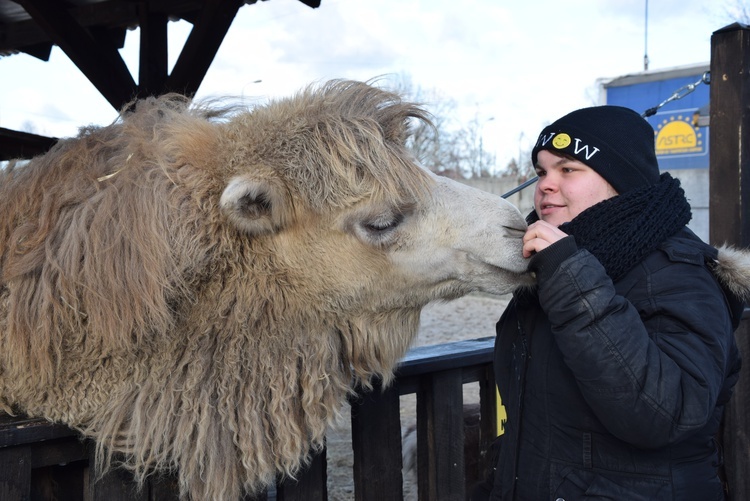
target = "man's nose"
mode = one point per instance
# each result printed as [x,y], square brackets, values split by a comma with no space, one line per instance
[547,183]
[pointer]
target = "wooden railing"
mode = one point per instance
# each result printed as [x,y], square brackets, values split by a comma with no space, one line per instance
[437,375]
[44,461]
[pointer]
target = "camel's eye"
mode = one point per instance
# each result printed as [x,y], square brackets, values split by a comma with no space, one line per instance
[383,223]
[378,227]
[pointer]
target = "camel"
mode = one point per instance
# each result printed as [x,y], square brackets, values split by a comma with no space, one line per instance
[198,287]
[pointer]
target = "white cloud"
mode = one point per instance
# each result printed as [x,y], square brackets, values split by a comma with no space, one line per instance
[523,63]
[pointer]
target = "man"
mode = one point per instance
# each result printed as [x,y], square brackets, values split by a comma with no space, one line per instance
[615,369]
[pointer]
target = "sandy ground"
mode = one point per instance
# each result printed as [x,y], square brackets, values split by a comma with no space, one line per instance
[470,317]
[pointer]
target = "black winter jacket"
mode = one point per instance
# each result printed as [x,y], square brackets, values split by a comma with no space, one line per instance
[616,391]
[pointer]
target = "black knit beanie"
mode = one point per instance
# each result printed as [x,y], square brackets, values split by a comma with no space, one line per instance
[614,141]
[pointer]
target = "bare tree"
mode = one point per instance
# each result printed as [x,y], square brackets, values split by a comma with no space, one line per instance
[737,11]
[28,126]
[447,147]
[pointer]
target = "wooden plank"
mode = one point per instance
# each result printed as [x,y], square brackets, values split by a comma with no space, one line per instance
[164,488]
[488,429]
[440,437]
[472,452]
[376,443]
[15,473]
[59,482]
[736,427]
[115,485]
[59,451]
[20,430]
[428,359]
[470,374]
[310,484]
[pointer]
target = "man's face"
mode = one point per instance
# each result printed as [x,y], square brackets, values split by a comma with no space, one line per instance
[566,187]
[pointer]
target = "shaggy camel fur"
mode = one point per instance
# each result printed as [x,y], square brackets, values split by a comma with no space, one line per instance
[197,289]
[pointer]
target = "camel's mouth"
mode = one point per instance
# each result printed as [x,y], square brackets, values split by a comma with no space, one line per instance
[501,280]
[524,277]
[509,260]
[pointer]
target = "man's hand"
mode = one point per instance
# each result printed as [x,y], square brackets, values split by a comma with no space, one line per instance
[539,236]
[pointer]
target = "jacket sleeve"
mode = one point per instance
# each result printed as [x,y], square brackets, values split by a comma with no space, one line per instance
[652,373]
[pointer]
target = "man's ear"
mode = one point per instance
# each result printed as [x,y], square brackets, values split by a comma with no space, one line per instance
[254,206]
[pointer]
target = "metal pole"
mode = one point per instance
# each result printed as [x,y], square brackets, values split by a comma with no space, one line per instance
[645,44]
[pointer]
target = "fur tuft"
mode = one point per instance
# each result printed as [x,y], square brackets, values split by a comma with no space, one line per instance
[733,269]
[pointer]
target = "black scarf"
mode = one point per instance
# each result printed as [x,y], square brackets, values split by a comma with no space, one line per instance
[621,231]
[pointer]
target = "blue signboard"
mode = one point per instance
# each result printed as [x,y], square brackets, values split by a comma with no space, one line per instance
[680,142]
[680,136]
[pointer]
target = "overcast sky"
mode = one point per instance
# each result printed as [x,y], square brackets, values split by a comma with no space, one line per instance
[514,65]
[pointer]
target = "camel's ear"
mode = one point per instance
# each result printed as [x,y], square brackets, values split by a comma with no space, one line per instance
[254,206]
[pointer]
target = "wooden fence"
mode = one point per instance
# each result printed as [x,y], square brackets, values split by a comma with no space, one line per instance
[44,461]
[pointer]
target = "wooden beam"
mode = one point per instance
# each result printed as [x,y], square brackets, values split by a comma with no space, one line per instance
[202,44]
[729,217]
[729,174]
[153,64]
[97,58]
[40,51]
[107,14]
[17,144]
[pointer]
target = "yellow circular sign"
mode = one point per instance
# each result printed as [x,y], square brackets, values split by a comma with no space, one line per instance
[561,141]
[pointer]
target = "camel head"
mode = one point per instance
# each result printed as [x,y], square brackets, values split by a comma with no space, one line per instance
[340,199]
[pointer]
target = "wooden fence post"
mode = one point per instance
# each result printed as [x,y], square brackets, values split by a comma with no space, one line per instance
[310,485]
[376,444]
[15,473]
[440,437]
[729,216]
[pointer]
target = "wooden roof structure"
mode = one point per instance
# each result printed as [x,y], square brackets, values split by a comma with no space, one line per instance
[90,32]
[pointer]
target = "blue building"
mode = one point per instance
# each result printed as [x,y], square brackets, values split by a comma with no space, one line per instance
[680,125]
